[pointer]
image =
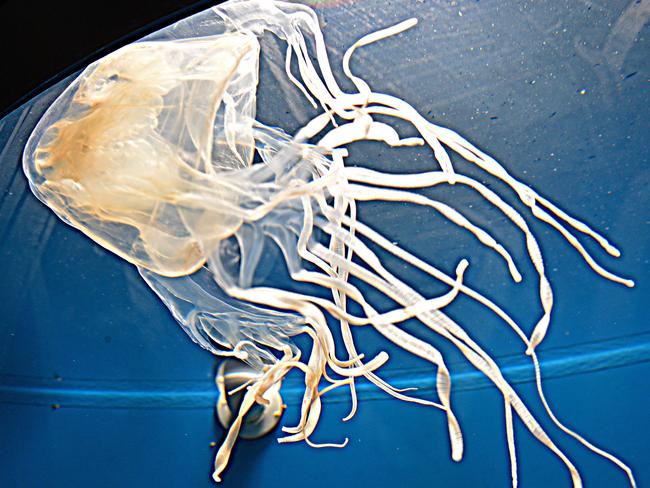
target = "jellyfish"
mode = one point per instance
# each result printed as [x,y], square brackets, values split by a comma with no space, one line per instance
[155,153]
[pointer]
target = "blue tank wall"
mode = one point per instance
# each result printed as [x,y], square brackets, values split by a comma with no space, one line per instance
[100,387]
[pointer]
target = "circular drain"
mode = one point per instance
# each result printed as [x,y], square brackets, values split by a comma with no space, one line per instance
[232,375]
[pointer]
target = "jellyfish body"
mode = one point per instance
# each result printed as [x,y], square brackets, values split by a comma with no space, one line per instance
[155,153]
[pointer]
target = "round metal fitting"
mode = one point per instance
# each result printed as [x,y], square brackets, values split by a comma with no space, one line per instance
[261,419]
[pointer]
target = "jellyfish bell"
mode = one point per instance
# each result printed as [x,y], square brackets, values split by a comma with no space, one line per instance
[126,152]
[155,153]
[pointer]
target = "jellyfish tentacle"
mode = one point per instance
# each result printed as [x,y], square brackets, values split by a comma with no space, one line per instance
[326,281]
[580,226]
[364,193]
[313,372]
[260,296]
[338,245]
[198,304]
[454,333]
[527,195]
[426,351]
[251,247]
[408,342]
[366,95]
[510,436]
[364,128]
[434,134]
[589,445]
[285,241]
[546,294]
[340,299]
[341,203]
[571,239]
[346,289]
[543,439]
[434,178]
[304,303]
[310,425]
[313,315]
[313,127]
[437,177]
[527,417]
[374,36]
[269,378]
[429,353]
[293,79]
[377,238]
[340,295]
[223,454]
[311,401]
[287,21]
[444,326]
[390,105]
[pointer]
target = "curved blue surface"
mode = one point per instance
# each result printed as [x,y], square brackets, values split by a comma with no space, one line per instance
[100,387]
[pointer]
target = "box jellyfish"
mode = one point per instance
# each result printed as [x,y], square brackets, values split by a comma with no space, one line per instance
[155,153]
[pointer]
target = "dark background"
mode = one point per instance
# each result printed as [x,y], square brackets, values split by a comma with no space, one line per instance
[40,41]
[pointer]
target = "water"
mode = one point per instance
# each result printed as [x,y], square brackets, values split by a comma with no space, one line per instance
[100,387]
